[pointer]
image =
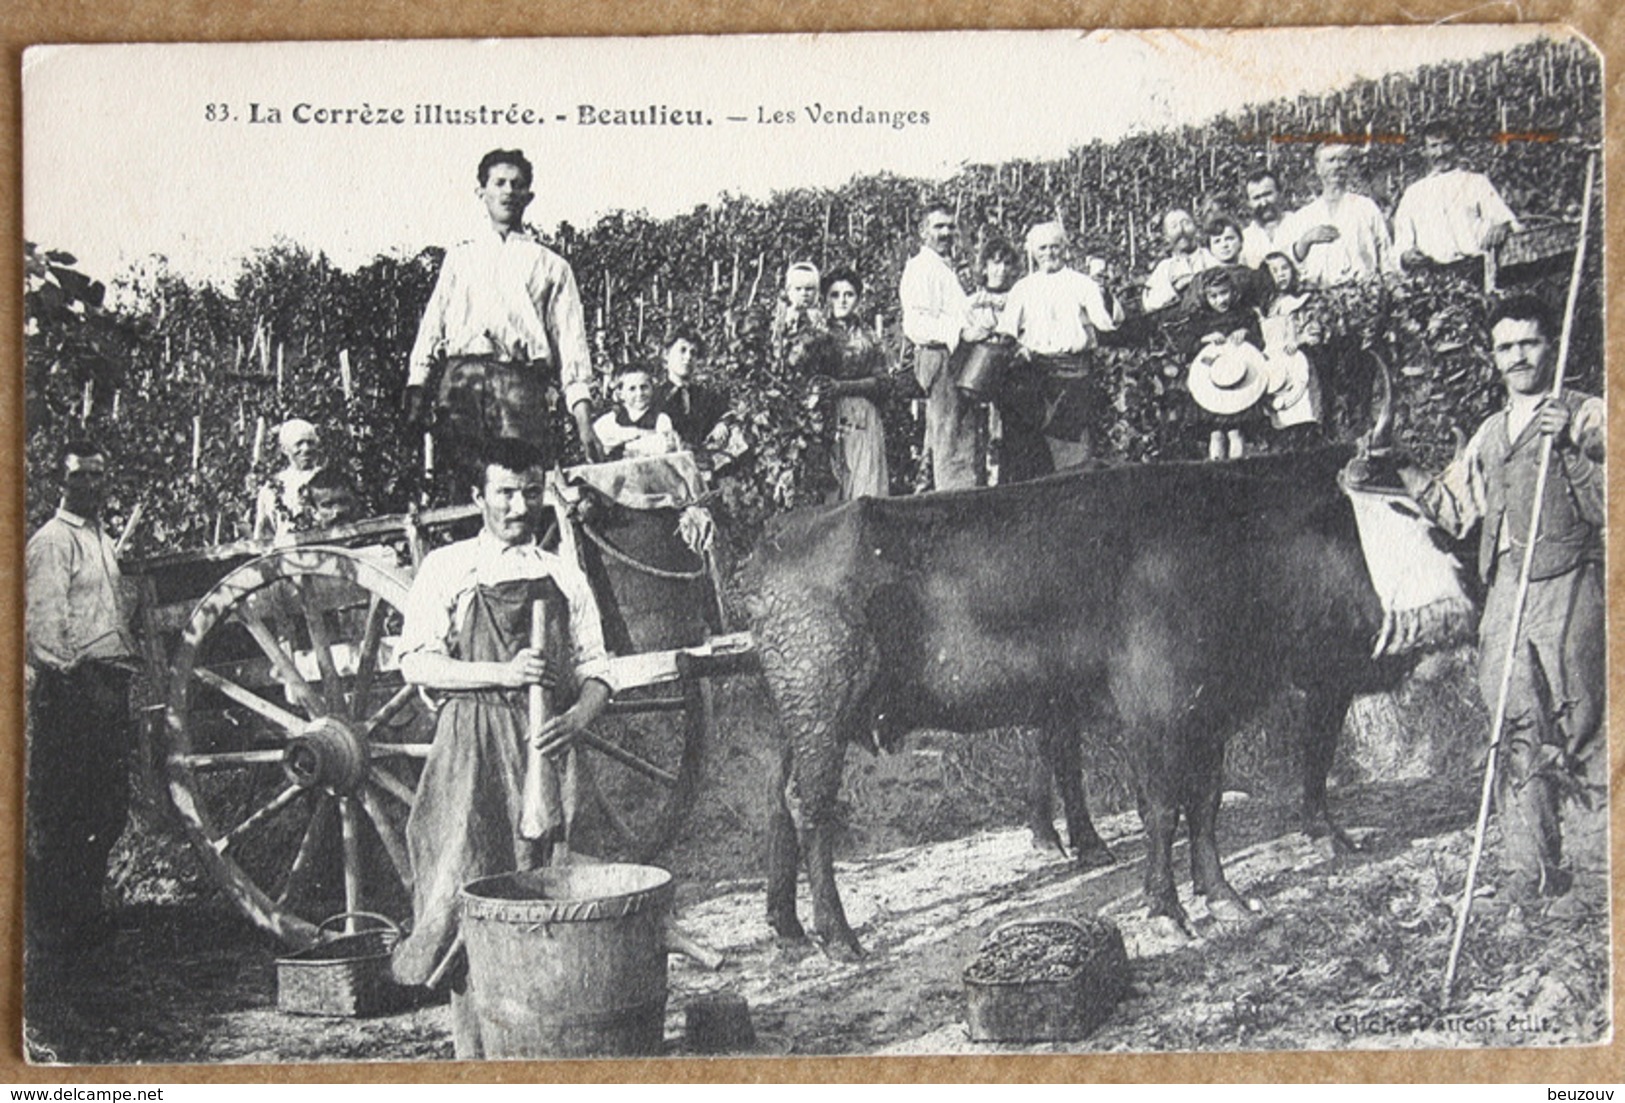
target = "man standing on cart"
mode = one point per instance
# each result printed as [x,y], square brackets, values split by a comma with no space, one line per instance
[466,634]
[506,319]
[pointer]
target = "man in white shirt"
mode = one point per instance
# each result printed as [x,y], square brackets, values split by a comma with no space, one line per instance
[934,306]
[80,658]
[1450,214]
[1554,748]
[465,633]
[1340,236]
[1262,234]
[506,317]
[1056,313]
[1185,260]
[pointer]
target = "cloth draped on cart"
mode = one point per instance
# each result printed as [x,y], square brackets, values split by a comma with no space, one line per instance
[670,481]
[465,821]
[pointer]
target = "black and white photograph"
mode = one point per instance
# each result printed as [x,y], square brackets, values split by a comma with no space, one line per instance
[866,544]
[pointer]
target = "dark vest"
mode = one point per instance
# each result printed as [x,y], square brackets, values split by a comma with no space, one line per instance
[1570,518]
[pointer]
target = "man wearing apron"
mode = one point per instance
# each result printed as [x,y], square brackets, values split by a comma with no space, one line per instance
[466,634]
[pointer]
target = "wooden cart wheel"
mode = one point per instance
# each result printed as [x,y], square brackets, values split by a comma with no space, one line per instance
[639,775]
[293,743]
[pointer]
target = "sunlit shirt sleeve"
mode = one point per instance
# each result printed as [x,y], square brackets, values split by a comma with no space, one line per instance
[509,298]
[933,301]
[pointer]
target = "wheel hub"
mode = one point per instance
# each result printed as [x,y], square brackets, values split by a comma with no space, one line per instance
[327,754]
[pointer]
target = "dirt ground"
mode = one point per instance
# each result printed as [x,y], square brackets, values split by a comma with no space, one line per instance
[1347,953]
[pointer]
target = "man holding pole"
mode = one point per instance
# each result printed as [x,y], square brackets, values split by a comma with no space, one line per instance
[506,317]
[1553,745]
[487,803]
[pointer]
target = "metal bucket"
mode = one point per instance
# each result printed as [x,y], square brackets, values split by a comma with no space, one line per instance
[569,961]
[979,367]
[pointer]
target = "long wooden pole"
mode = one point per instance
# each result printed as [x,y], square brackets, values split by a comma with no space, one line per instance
[1505,691]
[533,809]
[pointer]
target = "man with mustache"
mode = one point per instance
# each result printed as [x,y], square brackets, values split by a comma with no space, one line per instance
[1554,749]
[1450,214]
[80,659]
[1173,273]
[1340,236]
[1262,234]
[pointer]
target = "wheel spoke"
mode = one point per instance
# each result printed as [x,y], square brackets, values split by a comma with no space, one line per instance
[392,785]
[263,813]
[397,701]
[225,760]
[637,705]
[281,662]
[321,643]
[617,822]
[305,858]
[388,836]
[372,638]
[350,824]
[281,717]
[628,759]
[404,750]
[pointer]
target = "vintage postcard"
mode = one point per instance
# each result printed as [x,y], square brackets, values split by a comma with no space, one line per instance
[799,545]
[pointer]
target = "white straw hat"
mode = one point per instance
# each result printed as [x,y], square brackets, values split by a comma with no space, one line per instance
[1227,378]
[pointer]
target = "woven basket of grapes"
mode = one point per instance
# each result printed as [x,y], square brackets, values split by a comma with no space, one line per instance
[1045,980]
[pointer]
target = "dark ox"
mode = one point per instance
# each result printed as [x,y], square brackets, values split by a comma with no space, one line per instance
[1181,595]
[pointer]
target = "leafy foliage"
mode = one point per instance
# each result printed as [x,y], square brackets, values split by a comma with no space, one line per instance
[177,366]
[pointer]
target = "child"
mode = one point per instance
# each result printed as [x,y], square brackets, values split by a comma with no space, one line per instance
[1286,332]
[1220,328]
[800,331]
[695,409]
[1224,239]
[635,427]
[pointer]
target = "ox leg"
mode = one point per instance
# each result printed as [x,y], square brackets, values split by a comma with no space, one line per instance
[783,858]
[1159,811]
[1088,848]
[1204,787]
[819,665]
[1325,713]
[814,785]
[1042,771]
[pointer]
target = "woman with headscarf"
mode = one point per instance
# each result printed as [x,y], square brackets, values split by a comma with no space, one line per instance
[281,508]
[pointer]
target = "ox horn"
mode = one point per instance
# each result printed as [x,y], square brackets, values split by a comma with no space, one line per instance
[1380,437]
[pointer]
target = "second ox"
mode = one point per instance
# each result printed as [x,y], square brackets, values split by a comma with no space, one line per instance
[1183,596]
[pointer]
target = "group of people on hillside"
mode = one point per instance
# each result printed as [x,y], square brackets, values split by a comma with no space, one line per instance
[505,326]
[1237,294]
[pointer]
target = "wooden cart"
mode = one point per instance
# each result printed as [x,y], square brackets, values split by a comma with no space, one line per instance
[291,746]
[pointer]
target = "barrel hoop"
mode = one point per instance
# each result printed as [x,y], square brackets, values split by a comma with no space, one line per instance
[637,565]
[541,912]
[617,1016]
